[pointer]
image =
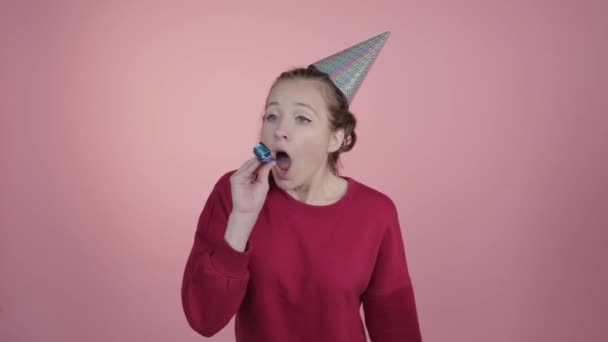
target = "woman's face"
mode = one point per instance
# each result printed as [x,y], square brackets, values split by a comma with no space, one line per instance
[297,122]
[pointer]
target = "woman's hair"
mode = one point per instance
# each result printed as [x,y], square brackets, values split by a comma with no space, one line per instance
[340,115]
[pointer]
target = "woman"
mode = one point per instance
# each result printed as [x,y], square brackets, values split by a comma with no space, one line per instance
[291,247]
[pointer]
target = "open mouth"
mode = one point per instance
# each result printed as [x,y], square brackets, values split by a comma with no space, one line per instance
[283,160]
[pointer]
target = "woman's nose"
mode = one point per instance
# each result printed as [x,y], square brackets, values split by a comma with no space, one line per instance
[280,134]
[282,131]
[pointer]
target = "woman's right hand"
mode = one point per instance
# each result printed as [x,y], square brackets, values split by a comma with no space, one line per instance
[249,187]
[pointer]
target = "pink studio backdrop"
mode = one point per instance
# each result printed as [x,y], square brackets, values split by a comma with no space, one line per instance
[118,117]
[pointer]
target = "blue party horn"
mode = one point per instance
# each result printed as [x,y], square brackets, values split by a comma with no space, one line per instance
[263,153]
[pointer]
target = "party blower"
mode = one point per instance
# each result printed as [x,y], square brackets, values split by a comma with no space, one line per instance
[263,154]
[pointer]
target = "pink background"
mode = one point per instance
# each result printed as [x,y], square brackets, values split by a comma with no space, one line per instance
[118,117]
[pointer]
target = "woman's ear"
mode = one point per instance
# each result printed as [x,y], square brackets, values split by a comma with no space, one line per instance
[335,140]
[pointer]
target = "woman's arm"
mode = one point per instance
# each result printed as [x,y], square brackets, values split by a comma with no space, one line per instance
[388,302]
[216,274]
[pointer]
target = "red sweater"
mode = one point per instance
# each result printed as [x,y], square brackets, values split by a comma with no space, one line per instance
[305,273]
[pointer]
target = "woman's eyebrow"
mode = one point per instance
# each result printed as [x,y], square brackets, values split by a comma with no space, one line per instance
[302,104]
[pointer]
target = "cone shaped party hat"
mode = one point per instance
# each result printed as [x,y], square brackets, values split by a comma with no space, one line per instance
[348,68]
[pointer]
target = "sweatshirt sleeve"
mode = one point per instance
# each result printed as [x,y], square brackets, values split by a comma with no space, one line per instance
[388,302]
[216,275]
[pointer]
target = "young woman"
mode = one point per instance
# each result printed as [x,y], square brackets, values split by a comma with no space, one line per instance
[290,247]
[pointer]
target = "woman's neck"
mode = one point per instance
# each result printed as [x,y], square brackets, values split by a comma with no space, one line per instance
[323,188]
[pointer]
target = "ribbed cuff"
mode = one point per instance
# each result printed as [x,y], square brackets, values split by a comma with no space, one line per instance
[229,261]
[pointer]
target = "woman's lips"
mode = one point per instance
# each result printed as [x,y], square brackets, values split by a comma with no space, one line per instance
[280,172]
[283,161]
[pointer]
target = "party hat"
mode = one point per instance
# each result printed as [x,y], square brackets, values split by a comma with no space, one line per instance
[348,68]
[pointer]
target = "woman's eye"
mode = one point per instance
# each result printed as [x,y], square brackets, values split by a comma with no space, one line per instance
[303,119]
[271,117]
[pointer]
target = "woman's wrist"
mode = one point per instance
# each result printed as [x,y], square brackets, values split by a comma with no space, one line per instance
[239,229]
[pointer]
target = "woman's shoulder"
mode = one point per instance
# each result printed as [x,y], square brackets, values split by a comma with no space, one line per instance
[372,197]
[224,178]
[374,204]
[222,184]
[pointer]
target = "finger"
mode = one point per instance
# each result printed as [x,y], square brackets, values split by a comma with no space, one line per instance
[248,165]
[250,169]
[249,172]
[241,174]
[263,172]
